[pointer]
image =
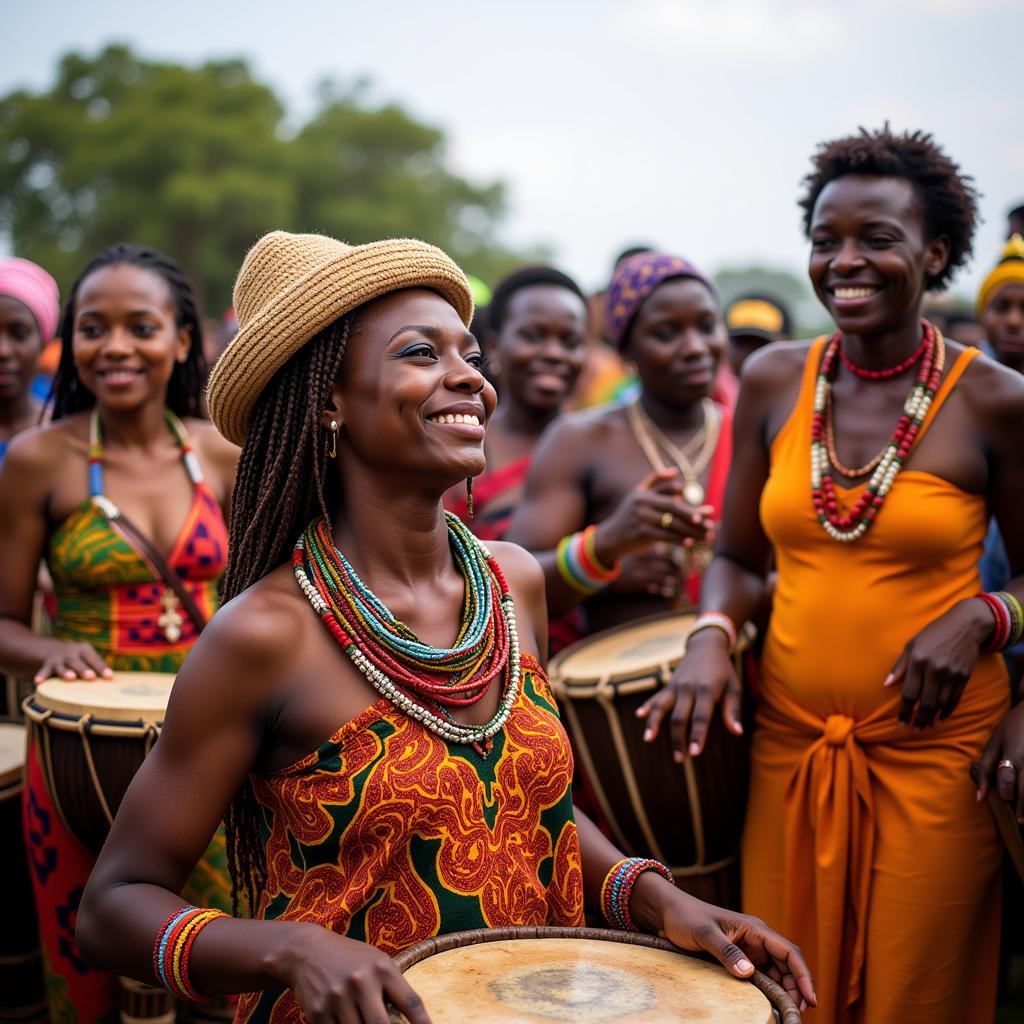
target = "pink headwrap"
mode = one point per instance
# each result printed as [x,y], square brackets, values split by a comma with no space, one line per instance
[31,285]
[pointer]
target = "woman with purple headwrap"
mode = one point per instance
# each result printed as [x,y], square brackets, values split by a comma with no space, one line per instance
[29,309]
[621,501]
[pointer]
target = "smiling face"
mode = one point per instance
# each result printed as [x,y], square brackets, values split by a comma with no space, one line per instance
[1003,321]
[412,396]
[20,345]
[126,339]
[870,256]
[541,345]
[676,340]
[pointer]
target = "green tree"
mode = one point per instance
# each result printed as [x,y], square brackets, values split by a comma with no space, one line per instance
[197,162]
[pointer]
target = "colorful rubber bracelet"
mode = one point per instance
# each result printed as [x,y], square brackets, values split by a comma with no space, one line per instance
[579,565]
[1001,614]
[1013,606]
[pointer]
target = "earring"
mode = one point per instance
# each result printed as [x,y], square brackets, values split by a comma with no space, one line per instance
[332,452]
[469,496]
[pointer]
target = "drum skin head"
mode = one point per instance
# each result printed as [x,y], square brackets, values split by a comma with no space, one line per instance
[128,697]
[12,758]
[539,981]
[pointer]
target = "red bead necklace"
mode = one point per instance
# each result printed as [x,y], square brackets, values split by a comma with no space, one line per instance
[855,524]
[893,371]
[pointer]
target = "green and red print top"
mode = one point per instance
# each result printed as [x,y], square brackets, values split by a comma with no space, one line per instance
[390,835]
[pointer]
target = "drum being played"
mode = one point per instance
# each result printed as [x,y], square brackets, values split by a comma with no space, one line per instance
[22,995]
[687,816]
[540,975]
[93,737]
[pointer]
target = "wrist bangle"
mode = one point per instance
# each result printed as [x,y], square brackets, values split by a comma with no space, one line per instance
[1003,623]
[172,951]
[578,564]
[1016,614]
[617,889]
[714,620]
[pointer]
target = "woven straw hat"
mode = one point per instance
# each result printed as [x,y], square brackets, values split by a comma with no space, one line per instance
[291,287]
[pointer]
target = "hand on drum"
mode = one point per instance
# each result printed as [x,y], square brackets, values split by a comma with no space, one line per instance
[653,512]
[344,981]
[1002,763]
[71,661]
[936,664]
[704,676]
[739,942]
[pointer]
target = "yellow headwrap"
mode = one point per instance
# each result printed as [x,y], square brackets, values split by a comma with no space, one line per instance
[1009,270]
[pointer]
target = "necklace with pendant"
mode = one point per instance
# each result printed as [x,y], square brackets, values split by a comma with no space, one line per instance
[170,620]
[692,459]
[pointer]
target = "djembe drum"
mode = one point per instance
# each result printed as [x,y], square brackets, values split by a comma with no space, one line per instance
[22,995]
[540,975]
[92,737]
[688,816]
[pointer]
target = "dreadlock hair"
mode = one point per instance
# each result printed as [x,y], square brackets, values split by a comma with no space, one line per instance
[949,201]
[184,390]
[280,486]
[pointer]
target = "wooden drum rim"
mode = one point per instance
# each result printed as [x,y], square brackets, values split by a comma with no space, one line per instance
[772,990]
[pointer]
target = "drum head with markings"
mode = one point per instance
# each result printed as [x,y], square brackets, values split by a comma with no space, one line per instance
[128,697]
[625,651]
[537,981]
[12,758]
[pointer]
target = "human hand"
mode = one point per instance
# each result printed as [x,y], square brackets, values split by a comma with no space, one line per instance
[72,661]
[655,571]
[1002,763]
[740,943]
[937,662]
[699,681]
[653,512]
[343,981]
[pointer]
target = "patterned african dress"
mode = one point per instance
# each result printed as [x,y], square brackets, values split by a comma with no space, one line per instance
[108,595]
[390,835]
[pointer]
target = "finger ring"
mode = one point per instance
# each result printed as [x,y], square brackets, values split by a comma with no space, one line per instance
[666,520]
[1007,763]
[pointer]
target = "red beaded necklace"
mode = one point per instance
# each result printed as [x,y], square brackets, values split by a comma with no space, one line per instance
[855,524]
[893,371]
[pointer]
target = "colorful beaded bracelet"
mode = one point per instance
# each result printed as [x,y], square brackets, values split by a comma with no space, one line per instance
[617,889]
[714,620]
[578,564]
[172,951]
[1009,621]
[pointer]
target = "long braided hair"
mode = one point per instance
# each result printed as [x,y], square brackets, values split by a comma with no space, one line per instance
[281,485]
[69,395]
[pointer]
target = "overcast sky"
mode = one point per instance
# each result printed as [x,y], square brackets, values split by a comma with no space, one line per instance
[682,123]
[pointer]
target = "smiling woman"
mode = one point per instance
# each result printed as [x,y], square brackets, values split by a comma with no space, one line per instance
[868,464]
[370,707]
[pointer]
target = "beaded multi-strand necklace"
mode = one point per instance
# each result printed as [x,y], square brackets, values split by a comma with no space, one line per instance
[420,680]
[886,465]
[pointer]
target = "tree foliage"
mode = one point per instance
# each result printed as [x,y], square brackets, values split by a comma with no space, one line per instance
[197,162]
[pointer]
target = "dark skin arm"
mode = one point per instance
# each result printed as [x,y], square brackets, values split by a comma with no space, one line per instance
[935,666]
[31,464]
[555,504]
[735,581]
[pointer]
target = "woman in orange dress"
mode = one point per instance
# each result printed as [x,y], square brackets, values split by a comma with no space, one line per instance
[880,683]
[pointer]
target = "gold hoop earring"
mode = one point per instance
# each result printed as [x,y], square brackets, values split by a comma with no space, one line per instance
[469,497]
[332,451]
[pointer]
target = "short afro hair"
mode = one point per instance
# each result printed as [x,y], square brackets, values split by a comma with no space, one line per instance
[948,198]
[526,277]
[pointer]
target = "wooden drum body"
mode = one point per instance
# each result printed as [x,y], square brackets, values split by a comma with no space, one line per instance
[22,994]
[688,816]
[92,738]
[541,975]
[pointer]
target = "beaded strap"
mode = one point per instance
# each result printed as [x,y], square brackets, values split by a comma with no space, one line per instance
[617,889]
[172,951]
[578,564]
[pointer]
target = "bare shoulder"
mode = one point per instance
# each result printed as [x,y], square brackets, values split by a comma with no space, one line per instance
[38,455]
[212,447]
[246,648]
[567,446]
[522,571]
[993,393]
[775,366]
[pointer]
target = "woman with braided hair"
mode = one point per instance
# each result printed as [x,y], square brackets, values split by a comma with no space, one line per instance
[442,800]
[125,411]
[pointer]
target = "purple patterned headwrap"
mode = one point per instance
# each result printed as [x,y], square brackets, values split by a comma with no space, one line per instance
[634,279]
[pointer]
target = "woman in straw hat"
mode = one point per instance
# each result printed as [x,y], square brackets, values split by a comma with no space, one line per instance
[442,800]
